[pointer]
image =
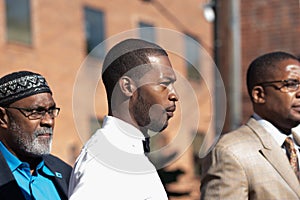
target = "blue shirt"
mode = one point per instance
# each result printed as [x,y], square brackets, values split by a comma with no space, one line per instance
[38,185]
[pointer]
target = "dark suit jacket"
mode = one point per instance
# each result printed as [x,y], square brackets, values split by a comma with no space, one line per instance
[9,188]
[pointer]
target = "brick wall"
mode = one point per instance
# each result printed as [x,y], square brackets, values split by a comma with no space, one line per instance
[58,50]
[266,25]
[272,25]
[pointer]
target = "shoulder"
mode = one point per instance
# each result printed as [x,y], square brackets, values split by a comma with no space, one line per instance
[95,139]
[244,135]
[56,164]
[240,144]
[55,160]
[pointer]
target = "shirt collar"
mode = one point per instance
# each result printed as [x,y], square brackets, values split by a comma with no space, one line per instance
[123,135]
[272,130]
[12,161]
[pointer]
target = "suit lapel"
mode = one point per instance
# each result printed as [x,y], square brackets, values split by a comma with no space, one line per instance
[275,156]
[59,180]
[5,173]
[283,168]
[9,188]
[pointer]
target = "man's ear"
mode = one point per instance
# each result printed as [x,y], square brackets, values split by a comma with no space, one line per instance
[3,118]
[127,86]
[258,94]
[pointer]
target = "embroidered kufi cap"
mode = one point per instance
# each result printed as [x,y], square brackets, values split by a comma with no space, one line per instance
[22,84]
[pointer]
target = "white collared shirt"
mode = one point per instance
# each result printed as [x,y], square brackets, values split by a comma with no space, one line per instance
[278,136]
[112,165]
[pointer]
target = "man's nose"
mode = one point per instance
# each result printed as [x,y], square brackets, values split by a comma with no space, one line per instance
[48,120]
[173,96]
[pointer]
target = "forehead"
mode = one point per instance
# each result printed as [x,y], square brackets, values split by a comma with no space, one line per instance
[288,69]
[37,100]
[161,68]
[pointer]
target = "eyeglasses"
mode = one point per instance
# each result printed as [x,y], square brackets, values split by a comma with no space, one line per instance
[33,114]
[289,85]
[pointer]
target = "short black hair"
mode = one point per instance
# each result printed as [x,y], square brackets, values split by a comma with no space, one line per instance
[261,68]
[125,56]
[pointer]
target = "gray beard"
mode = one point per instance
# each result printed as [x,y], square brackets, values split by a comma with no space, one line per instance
[31,144]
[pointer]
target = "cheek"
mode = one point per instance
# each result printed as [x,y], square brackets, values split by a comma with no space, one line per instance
[155,96]
[287,100]
[282,103]
[156,111]
[29,127]
[150,100]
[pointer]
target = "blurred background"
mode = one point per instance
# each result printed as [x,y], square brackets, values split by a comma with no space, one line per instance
[54,37]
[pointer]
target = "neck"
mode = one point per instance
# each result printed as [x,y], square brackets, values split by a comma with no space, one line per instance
[32,161]
[121,111]
[285,131]
[126,117]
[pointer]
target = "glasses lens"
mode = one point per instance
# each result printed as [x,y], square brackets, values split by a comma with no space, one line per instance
[40,114]
[36,115]
[290,86]
[54,112]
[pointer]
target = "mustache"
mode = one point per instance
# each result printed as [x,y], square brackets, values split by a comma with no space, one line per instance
[44,131]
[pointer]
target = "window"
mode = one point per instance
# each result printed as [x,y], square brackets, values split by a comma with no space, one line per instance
[192,54]
[147,32]
[18,22]
[94,31]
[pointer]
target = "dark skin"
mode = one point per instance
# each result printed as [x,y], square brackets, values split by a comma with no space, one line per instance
[147,103]
[282,109]
[27,129]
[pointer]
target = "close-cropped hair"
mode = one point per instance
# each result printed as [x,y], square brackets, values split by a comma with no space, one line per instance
[130,55]
[260,68]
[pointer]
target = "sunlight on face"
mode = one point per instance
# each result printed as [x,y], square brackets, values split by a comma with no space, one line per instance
[153,59]
[294,70]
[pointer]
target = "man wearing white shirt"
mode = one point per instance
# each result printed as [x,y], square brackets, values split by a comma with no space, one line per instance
[139,81]
[254,161]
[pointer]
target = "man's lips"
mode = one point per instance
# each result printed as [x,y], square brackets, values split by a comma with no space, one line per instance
[170,114]
[46,134]
[296,107]
[170,111]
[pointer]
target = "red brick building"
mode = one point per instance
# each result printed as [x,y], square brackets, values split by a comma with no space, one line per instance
[54,38]
[265,26]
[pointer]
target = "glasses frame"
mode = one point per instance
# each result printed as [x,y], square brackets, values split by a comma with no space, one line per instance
[42,113]
[284,84]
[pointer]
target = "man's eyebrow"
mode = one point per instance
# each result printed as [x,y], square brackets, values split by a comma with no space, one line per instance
[171,78]
[39,107]
[168,80]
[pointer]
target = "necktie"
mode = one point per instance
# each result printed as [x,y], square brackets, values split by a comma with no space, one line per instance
[146,144]
[291,153]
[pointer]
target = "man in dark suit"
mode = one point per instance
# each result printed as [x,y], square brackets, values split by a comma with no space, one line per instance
[258,161]
[27,115]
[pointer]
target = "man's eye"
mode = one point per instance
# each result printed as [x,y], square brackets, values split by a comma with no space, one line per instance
[165,83]
[37,111]
[292,83]
[29,111]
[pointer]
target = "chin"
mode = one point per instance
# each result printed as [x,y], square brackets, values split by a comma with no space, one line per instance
[158,127]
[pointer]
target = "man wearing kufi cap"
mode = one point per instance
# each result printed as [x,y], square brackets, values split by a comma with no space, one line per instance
[27,115]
